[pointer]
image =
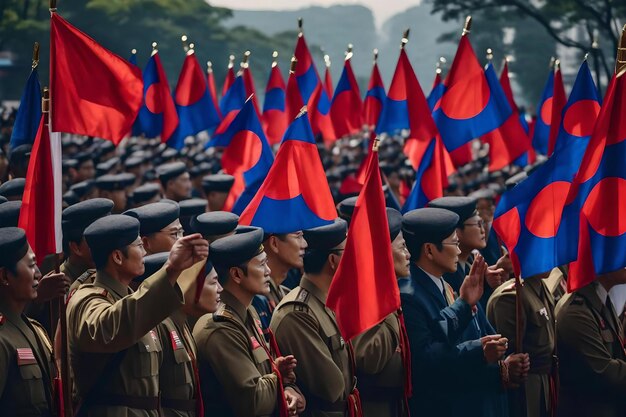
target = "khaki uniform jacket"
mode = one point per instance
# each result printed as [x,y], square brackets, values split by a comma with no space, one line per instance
[591,354]
[107,317]
[539,330]
[177,376]
[380,371]
[235,370]
[305,328]
[26,367]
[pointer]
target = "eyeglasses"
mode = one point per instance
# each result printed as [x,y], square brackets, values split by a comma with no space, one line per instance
[174,233]
[457,243]
[138,245]
[479,223]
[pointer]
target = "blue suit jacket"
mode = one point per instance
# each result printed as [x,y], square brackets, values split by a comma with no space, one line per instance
[449,374]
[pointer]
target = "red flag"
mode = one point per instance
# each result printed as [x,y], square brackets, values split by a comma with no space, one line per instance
[210,79]
[230,75]
[248,81]
[364,290]
[328,81]
[509,141]
[558,103]
[293,99]
[345,108]
[93,91]
[40,215]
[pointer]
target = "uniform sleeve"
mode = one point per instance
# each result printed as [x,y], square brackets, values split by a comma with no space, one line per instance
[5,357]
[374,348]
[249,393]
[298,335]
[502,313]
[578,330]
[102,327]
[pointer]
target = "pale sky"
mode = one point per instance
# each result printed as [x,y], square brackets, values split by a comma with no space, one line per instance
[382,8]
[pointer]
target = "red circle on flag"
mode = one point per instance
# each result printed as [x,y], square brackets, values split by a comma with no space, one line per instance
[153,99]
[546,111]
[189,93]
[243,152]
[467,98]
[580,118]
[549,200]
[603,206]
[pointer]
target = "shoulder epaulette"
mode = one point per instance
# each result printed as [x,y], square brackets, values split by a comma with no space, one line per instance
[223,313]
[94,291]
[43,335]
[509,287]
[298,299]
[303,296]
[85,275]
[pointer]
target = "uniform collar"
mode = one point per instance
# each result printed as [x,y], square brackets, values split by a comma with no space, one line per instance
[111,284]
[310,286]
[235,305]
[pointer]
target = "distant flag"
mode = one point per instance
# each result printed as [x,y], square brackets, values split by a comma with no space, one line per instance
[28,116]
[247,156]
[293,99]
[375,96]
[431,177]
[40,215]
[133,57]
[530,156]
[157,116]
[437,89]
[528,217]
[364,289]
[328,80]
[463,154]
[312,91]
[210,79]
[230,105]
[295,194]
[274,119]
[558,101]
[471,104]
[510,141]
[346,105]
[600,185]
[248,81]
[81,105]
[229,79]
[194,106]
[541,133]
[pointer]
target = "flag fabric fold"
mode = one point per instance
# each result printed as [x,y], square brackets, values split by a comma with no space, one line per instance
[541,132]
[94,92]
[230,105]
[346,105]
[28,115]
[364,289]
[274,107]
[374,98]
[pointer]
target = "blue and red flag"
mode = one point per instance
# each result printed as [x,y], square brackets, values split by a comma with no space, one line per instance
[229,79]
[194,106]
[598,191]
[558,102]
[230,104]
[541,133]
[248,157]
[510,141]
[528,217]
[472,103]
[157,116]
[346,106]
[431,177]
[375,96]
[29,113]
[293,99]
[274,110]
[248,81]
[436,92]
[328,80]
[295,194]
[313,92]
[210,80]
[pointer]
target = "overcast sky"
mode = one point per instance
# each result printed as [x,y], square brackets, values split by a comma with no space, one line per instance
[382,8]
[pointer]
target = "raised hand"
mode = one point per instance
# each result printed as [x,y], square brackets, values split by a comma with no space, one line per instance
[186,251]
[52,285]
[473,285]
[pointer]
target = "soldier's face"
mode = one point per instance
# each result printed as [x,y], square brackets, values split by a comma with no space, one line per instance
[472,234]
[164,239]
[447,258]
[210,297]
[289,248]
[132,264]
[257,280]
[401,257]
[180,187]
[22,285]
[216,200]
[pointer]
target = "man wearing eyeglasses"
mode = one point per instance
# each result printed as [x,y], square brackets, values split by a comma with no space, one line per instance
[160,226]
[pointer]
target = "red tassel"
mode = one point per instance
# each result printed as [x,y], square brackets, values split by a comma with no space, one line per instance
[58,389]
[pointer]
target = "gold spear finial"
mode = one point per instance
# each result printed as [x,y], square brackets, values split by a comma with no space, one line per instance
[183,39]
[154,48]
[35,55]
[300,27]
[244,61]
[586,56]
[441,63]
[557,65]
[376,144]
[302,112]
[292,67]
[327,60]
[595,44]
[133,51]
[620,60]
[552,61]
[209,67]
[468,26]
[489,54]
[274,58]
[405,38]
[231,61]
[52,6]
[375,55]
[45,101]
[349,52]
[191,51]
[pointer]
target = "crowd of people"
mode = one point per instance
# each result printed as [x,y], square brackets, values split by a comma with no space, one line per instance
[175,309]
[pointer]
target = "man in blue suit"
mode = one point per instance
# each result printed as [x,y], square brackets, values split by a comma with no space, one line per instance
[451,376]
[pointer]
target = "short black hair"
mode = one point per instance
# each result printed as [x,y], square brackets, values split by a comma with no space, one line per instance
[100,259]
[223,271]
[314,260]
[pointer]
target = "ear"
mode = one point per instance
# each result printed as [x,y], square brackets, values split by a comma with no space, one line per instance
[273,243]
[75,248]
[236,275]
[146,243]
[117,257]
[333,261]
[428,250]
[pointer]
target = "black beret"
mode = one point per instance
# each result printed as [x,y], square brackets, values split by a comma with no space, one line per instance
[192,206]
[114,182]
[214,223]
[464,207]
[83,187]
[427,225]
[3,199]
[68,163]
[106,166]
[146,192]
[70,198]
[154,217]
[152,263]
[13,188]
[106,146]
[13,246]
[76,218]
[326,237]
[218,182]
[111,232]
[20,153]
[169,153]
[346,207]
[394,220]
[133,162]
[172,170]
[200,169]
[236,249]
[10,213]
[245,229]
[483,193]
[82,157]
[515,179]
